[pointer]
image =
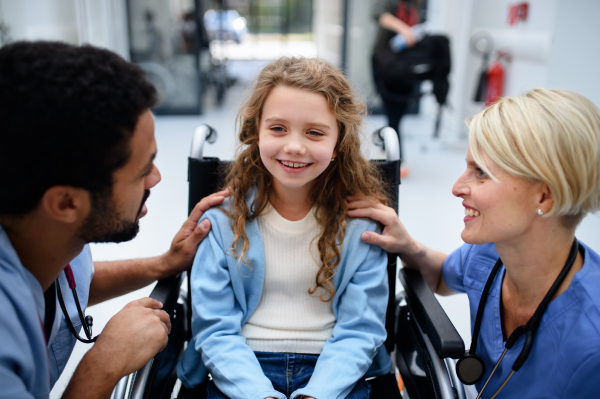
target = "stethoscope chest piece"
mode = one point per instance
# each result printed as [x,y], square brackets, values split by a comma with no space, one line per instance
[470,369]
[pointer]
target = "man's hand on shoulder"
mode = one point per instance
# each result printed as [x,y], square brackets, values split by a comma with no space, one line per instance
[185,244]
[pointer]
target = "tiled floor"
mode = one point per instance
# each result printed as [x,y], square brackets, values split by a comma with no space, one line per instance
[427,208]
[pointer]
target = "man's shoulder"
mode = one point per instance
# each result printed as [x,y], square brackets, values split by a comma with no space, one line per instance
[23,348]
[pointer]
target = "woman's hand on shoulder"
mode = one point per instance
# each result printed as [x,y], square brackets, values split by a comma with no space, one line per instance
[394,237]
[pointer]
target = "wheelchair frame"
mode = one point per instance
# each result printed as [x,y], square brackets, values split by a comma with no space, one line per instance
[421,338]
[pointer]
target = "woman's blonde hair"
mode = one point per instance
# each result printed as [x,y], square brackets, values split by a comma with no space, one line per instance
[349,174]
[544,135]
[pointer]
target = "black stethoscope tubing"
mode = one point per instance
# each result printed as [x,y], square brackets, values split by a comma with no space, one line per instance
[529,329]
[86,321]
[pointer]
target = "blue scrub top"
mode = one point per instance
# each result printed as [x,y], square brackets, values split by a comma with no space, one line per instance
[29,368]
[565,359]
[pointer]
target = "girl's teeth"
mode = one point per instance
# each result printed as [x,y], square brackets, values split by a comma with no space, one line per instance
[293,164]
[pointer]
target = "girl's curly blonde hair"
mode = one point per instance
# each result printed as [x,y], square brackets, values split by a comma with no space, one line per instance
[350,174]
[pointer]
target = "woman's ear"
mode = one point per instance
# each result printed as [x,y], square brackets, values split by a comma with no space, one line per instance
[545,199]
[66,204]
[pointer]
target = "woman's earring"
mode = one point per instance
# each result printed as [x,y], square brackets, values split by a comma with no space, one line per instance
[540,213]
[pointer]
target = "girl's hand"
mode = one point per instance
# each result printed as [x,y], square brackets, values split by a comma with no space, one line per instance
[394,238]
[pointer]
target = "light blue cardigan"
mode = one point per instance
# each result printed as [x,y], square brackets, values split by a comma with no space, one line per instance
[225,294]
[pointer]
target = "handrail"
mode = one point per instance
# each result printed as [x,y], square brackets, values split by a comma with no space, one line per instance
[460,388]
[140,378]
[121,388]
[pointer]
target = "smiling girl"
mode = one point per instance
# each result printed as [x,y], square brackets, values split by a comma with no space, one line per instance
[288,302]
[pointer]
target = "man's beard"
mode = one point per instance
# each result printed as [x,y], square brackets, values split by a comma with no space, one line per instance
[104,224]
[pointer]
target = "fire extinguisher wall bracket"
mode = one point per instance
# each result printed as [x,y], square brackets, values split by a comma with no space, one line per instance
[481,44]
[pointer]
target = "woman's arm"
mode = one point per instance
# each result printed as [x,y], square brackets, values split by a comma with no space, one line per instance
[395,239]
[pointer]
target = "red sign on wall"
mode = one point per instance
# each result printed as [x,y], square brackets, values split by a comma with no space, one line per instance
[517,12]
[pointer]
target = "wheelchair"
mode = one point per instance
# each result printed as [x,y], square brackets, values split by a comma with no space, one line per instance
[421,338]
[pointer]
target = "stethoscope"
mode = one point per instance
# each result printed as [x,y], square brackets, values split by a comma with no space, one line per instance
[470,368]
[86,321]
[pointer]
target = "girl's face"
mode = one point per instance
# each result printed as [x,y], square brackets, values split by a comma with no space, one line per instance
[297,138]
[501,211]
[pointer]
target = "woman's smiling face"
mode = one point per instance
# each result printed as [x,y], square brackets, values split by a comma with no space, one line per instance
[297,138]
[496,211]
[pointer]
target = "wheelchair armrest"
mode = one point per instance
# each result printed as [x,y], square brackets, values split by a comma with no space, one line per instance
[167,292]
[156,379]
[431,317]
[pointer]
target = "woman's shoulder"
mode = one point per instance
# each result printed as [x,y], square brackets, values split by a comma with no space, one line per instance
[586,284]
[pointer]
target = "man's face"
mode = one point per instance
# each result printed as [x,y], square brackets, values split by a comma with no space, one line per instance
[114,214]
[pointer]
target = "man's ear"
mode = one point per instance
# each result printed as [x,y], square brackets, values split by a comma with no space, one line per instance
[66,204]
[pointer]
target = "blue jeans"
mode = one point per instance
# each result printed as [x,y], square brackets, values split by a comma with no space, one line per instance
[289,372]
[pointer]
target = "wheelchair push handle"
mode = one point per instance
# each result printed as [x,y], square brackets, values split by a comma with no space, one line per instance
[387,138]
[202,134]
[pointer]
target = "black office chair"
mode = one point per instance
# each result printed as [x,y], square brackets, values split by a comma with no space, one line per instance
[420,335]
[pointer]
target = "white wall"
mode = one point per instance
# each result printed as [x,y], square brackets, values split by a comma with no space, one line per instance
[557,47]
[362,32]
[41,19]
[575,58]
[328,29]
[102,23]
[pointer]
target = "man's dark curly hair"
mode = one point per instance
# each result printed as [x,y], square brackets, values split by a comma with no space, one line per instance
[67,115]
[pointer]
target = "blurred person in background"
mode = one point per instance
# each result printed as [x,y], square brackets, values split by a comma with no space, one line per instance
[405,55]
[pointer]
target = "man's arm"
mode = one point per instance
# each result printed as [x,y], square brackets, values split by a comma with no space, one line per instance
[395,239]
[116,278]
[130,339]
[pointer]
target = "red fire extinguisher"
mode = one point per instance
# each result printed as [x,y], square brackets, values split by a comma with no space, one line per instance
[495,81]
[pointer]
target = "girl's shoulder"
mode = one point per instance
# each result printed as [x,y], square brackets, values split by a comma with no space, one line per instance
[360,225]
[218,212]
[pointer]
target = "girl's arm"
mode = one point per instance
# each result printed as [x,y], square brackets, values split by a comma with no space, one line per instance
[217,320]
[360,306]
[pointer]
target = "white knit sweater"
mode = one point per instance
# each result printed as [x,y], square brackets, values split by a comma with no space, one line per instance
[288,318]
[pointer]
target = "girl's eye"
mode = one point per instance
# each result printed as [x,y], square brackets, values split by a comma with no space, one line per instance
[480,174]
[277,129]
[315,133]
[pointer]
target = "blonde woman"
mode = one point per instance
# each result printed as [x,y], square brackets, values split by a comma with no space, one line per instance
[533,173]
